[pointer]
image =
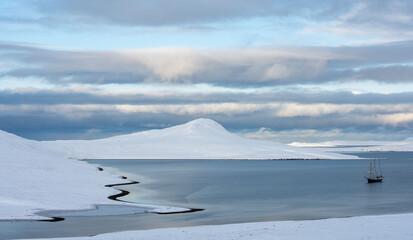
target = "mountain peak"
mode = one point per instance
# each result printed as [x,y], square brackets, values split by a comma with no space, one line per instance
[203,123]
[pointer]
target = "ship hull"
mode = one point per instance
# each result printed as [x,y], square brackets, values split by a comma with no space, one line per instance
[373,180]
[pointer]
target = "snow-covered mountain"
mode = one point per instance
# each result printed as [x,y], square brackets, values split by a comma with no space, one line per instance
[198,139]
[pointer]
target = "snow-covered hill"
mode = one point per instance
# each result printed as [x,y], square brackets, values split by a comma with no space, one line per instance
[34,177]
[198,139]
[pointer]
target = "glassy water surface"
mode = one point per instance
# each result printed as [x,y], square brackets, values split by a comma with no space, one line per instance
[243,191]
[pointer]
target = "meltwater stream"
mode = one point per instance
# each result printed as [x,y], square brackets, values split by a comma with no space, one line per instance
[242,191]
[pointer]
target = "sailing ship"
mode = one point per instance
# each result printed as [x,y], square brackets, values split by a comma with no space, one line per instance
[374,172]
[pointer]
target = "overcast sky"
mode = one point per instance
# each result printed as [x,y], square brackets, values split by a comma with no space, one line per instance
[298,70]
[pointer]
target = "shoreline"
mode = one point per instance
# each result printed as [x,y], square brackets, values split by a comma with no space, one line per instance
[115,197]
[122,193]
[125,193]
[239,225]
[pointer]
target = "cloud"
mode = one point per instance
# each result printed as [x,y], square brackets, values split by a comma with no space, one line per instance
[316,115]
[180,12]
[375,20]
[87,110]
[396,119]
[65,109]
[390,20]
[334,21]
[62,121]
[226,67]
[84,95]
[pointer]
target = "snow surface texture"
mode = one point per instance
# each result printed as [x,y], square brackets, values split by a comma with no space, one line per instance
[34,177]
[387,227]
[198,139]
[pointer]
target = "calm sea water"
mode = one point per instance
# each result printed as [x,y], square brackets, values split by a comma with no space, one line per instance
[242,191]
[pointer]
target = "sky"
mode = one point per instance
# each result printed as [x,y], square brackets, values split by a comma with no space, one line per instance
[287,71]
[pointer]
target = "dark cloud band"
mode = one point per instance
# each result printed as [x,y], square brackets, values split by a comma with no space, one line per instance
[81,97]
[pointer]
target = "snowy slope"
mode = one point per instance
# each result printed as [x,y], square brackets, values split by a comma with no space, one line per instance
[388,227]
[198,139]
[34,177]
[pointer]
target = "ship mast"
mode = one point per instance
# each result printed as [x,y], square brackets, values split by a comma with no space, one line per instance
[379,168]
[371,169]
